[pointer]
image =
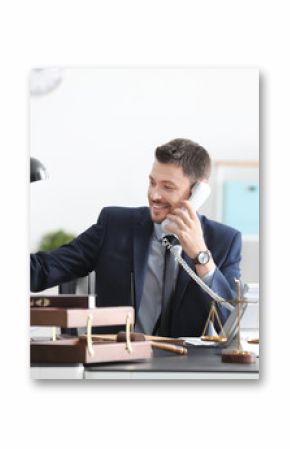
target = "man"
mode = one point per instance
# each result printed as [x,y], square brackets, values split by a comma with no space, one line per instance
[124,248]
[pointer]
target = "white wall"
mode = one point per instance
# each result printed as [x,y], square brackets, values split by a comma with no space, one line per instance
[96,134]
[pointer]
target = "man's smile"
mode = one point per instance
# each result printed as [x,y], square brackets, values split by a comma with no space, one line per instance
[157,207]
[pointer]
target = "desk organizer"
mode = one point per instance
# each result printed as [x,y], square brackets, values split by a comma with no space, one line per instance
[60,311]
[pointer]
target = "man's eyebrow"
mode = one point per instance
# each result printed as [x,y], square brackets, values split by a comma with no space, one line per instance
[164,181]
[167,181]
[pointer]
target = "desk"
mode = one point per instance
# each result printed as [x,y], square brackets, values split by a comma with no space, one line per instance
[199,363]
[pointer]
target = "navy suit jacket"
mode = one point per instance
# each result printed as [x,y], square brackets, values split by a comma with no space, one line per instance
[117,248]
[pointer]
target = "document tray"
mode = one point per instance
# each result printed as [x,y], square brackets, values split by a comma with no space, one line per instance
[62,301]
[68,318]
[75,350]
[85,350]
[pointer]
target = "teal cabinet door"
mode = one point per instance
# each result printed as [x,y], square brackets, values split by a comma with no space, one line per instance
[241,206]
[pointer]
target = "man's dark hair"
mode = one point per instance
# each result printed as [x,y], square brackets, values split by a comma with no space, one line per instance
[191,156]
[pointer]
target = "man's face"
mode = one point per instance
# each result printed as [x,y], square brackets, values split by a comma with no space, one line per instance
[167,187]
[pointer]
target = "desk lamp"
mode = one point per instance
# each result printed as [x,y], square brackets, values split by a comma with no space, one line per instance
[37,170]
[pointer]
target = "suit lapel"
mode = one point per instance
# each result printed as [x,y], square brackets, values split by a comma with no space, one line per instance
[182,282]
[141,242]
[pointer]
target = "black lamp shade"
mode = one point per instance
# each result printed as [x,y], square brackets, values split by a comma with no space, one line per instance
[37,170]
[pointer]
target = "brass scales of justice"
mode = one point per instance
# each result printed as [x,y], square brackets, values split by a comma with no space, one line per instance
[234,354]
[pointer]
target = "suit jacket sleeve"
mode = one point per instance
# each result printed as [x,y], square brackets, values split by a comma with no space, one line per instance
[227,270]
[224,278]
[70,261]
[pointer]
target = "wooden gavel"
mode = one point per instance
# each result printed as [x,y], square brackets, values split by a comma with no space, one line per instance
[135,336]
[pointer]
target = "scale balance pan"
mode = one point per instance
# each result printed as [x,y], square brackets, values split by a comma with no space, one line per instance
[214,338]
[253,341]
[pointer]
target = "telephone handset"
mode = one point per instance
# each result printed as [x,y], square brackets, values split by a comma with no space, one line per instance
[199,194]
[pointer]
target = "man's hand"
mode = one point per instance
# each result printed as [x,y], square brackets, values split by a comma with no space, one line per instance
[186,226]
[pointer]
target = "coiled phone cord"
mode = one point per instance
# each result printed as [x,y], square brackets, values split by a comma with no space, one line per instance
[165,242]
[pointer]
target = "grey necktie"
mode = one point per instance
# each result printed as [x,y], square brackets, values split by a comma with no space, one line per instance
[162,325]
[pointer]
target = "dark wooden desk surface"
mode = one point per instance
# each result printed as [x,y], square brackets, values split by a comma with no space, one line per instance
[198,360]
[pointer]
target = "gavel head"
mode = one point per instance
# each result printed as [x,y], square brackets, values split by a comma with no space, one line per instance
[134,336]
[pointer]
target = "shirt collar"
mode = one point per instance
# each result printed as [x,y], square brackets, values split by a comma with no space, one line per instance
[158,232]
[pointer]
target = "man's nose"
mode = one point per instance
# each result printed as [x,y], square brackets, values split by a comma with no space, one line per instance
[155,194]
